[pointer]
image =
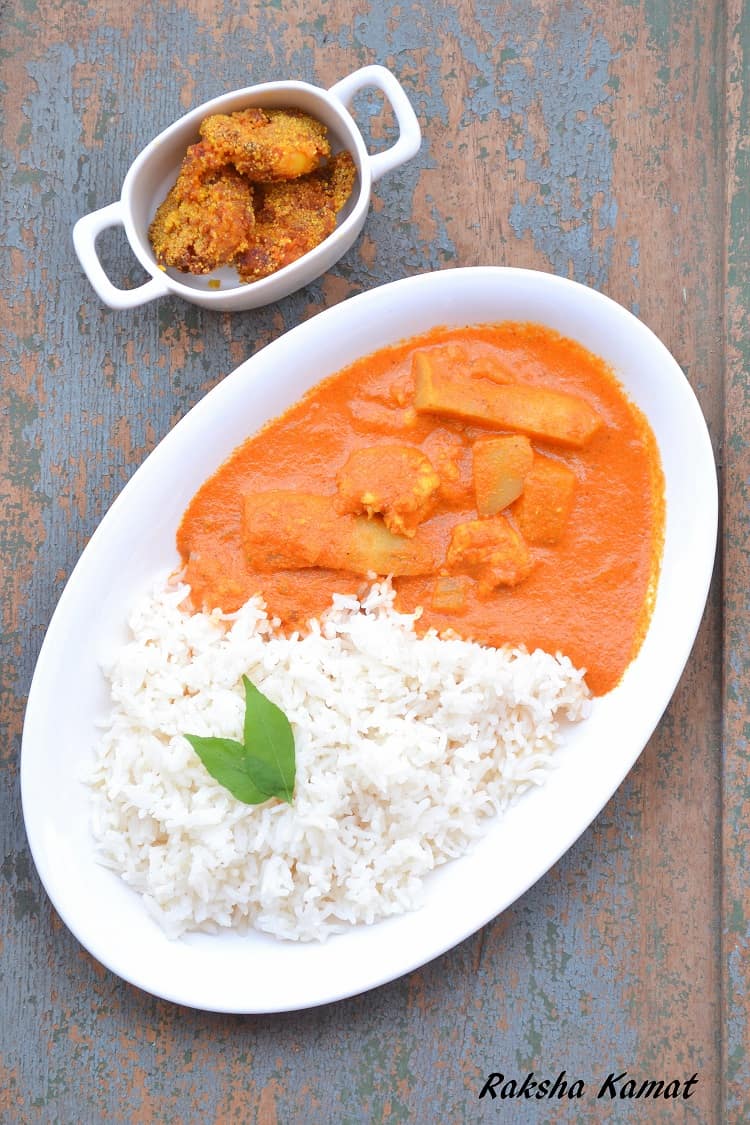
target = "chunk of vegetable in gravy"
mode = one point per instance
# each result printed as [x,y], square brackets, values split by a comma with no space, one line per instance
[545,502]
[294,530]
[449,594]
[498,473]
[536,411]
[448,360]
[501,466]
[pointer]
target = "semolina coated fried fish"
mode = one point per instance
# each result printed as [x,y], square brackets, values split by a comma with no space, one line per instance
[266,145]
[206,220]
[267,165]
[293,218]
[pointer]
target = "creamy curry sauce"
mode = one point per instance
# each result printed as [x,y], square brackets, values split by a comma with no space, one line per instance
[584,588]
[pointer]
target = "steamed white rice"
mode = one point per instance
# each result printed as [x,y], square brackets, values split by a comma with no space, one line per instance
[406,747]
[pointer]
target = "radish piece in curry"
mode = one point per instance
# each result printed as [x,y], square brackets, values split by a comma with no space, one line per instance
[498,473]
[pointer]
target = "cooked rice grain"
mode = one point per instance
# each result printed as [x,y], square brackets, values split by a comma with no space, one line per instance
[406,746]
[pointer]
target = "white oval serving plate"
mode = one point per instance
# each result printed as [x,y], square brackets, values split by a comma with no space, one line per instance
[134,547]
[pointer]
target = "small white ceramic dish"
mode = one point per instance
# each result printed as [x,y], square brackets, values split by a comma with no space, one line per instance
[134,547]
[155,169]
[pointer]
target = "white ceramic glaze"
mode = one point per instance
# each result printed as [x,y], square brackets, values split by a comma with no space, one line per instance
[134,547]
[155,170]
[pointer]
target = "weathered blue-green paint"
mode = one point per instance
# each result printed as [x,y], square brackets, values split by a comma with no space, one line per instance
[666,21]
[736,883]
[570,163]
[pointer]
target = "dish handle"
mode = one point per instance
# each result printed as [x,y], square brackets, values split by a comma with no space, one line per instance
[410,134]
[85,234]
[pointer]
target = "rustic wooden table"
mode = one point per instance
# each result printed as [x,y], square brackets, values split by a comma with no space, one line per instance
[606,142]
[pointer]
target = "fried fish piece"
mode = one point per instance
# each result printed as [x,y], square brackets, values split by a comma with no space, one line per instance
[294,217]
[266,145]
[207,218]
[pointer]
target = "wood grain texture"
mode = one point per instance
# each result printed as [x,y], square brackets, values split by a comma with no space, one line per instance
[606,142]
[736,579]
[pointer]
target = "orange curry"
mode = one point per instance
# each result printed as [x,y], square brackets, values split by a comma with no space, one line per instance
[498,473]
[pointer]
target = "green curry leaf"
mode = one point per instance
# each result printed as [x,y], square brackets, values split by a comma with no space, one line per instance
[225,761]
[261,767]
[269,742]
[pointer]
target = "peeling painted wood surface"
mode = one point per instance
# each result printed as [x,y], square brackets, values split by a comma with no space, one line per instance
[606,142]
